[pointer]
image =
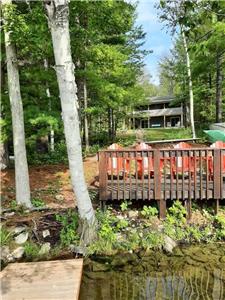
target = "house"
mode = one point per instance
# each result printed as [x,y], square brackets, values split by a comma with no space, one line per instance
[160,112]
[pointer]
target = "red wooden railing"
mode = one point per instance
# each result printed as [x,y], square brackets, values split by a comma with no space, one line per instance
[162,174]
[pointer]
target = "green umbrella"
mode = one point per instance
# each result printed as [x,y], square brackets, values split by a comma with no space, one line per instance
[215,135]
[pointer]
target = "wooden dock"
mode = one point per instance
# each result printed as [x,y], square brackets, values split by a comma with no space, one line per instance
[42,280]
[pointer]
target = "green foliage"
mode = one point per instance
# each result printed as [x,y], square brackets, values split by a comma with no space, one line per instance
[36,202]
[219,223]
[31,250]
[176,213]
[149,211]
[59,155]
[124,206]
[152,239]
[175,221]
[5,236]
[68,233]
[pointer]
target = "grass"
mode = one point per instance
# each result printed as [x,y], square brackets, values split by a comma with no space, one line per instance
[129,137]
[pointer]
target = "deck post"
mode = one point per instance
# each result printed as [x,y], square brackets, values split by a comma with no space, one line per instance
[216,178]
[102,175]
[157,185]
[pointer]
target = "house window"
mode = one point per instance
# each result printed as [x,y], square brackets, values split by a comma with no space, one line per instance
[144,123]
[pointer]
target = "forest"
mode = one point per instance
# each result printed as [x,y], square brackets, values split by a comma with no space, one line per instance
[72,75]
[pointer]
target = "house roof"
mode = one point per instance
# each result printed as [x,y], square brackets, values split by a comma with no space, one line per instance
[161,99]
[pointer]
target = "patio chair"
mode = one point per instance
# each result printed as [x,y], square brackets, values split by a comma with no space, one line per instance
[117,164]
[216,145]
[144,164]
[183,163]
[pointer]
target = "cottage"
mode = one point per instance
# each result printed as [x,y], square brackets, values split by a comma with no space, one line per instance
[159,112]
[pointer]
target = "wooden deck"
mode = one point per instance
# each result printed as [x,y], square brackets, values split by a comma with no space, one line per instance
[42,280]
[162,174]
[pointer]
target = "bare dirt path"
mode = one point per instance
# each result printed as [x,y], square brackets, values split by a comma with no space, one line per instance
[50,183]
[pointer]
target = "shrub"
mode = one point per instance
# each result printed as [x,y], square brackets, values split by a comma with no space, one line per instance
[149,211]
[68,233]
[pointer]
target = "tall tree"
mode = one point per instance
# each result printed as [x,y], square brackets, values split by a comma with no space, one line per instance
[58,18]
[21,166]
[178,14]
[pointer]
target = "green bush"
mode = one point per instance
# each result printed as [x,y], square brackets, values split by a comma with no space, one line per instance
[36,202]
[59,155]
[219,223]
[68,233]
[149,211]
[31,250]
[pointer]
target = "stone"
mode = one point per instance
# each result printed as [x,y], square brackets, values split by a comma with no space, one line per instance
[78,249]
[133,214]
[18,252]
[169,244]
[9,214]
[45,248]
[4,250]
[123,259]
[10,258]
[21,238]
[59,197]
[45,233]
[19,229]
[98,267]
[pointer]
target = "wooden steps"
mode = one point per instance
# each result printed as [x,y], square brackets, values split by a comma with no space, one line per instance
[42,280]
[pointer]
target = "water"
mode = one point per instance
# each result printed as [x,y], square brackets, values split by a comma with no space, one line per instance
[196,272]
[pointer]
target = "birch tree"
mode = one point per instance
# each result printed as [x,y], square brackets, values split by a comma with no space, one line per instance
[175,14]
[21,166]
[58,19]
[191,96]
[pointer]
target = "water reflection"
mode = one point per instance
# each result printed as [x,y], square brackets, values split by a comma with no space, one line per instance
[190,283]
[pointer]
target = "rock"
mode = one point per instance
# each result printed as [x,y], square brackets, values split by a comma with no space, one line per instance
[19,229]
[9,214]
[177,252]
[10,258]
[4,252]
[77,249]
[18,252]
[123,259]
[98,267]
[132,214]
[21,238]
[59,197]
[45,248]
[45,233]
[169,244]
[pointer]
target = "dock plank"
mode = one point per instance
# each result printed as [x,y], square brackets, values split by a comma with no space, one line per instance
[42,280]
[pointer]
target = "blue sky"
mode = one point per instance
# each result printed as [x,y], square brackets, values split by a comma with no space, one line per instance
[156,37]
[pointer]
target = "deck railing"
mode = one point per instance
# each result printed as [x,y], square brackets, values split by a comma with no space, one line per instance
[162,174]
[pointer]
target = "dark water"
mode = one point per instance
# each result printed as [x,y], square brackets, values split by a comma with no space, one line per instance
[194,273]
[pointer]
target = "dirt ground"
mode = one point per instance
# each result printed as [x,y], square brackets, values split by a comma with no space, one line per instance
[50,183]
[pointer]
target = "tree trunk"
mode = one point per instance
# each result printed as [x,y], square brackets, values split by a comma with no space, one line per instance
[21,166]
[86,129]
[191,96]
[52,133]
[4,156]
[218,88]
[58,17]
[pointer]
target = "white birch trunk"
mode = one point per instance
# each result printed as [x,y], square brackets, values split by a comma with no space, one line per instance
[86,129]
[52,133]
[21,166]
[58,17]
[191,96]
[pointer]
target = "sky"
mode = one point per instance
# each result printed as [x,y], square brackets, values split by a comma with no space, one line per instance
[156,37]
